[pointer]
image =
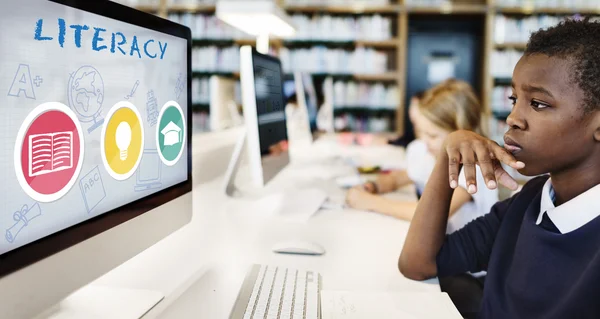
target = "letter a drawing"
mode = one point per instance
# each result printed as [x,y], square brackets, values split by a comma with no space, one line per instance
[22,83]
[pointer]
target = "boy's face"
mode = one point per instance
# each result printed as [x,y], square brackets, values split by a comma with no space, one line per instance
[547,129]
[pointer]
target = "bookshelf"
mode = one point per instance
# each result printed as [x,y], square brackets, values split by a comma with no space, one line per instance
[531,10]
[511,45]
[199,8]
[400,12]
[359,8]
[460,8]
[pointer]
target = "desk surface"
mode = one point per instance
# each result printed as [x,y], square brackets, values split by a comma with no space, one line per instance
[201,267]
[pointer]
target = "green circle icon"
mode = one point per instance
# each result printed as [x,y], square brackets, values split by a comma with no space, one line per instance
[170,133]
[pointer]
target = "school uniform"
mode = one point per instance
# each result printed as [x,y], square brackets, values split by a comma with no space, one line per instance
[420,164]
[542,260]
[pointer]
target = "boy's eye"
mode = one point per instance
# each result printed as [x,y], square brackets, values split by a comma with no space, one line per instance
[513,99]
[539,105]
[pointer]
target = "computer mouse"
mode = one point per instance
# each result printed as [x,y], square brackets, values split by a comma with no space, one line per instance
[298,248]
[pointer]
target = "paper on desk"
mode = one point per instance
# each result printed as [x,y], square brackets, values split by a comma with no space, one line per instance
[382,305]
[297,205]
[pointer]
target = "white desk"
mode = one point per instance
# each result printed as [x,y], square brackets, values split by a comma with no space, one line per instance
[201,267]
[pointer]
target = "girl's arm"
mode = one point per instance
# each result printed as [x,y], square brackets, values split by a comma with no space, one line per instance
[386,183]
[405,210]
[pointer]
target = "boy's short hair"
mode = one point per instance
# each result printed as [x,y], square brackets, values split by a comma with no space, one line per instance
[579,42]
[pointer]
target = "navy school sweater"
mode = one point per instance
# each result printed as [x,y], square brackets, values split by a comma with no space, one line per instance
[531,272]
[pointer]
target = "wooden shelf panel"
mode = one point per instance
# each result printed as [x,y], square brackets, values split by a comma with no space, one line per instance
[201,106]
[540,10]
[391,43]
[449,9]
[198,73]
[148,8]
[383,44]
[508,45]
[379,77]
[343,9]
[363,109]
[502,81]
[392,76]
[200,8]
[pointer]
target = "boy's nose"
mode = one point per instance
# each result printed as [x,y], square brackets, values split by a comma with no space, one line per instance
[516,120]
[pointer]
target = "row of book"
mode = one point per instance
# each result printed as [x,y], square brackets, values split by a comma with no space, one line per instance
[364,95]
[200,90]
[503,62]
[336,2]
[208,27]
[200,122]
[500,99]
[216,59]
[497,129]
[320,59]
[342,28]
[517,30]
[363,123]
[319,27]
[574,4]
[427,3]
[314,60]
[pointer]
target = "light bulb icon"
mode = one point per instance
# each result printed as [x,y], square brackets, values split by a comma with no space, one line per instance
[123,137]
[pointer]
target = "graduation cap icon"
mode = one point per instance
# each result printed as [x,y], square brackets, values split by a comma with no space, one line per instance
[172,134]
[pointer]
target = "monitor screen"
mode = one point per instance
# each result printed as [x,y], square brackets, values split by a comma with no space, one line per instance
[94,115]
[310,98]
[270,105]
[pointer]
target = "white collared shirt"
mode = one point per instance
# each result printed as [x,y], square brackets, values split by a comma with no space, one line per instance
[573,214]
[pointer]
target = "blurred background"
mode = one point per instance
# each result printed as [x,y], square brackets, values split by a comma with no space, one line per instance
[368,57]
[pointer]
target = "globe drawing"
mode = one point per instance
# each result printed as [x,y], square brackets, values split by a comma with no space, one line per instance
[86,94]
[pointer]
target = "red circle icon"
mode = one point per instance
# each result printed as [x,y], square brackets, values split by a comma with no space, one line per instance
[50,152]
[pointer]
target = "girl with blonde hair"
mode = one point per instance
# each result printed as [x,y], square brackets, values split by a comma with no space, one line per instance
[447,107]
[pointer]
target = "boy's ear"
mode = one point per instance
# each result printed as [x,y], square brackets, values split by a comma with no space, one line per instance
[596,123]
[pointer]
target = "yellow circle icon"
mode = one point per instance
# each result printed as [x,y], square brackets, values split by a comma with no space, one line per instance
[122,141]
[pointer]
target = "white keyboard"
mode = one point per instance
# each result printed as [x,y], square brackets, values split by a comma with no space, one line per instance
[279,293]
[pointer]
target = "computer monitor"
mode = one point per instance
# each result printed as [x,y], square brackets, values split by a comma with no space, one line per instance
[94,169]
[310,96]
[264,116]
[224,112]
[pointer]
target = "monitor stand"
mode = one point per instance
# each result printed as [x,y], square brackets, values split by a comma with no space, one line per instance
[294,204]
[94,301]
[234,166]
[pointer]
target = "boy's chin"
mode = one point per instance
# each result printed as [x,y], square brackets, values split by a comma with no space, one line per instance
[531,171]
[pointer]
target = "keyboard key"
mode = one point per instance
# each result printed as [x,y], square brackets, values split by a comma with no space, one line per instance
[281,293]
[312,300]
[265,292]
[275,300]
[254,295]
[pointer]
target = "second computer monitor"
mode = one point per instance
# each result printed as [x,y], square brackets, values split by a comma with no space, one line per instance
[264,114]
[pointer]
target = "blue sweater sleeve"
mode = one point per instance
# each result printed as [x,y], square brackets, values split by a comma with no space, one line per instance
[469,248]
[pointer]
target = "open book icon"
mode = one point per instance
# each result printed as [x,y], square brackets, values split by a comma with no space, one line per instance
[50,152]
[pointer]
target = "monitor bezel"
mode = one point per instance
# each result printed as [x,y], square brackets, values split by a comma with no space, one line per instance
[47,246]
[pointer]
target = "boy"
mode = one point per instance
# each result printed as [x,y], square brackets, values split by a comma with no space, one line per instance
[541,248]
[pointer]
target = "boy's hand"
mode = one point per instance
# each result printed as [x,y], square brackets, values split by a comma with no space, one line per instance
[469,149]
